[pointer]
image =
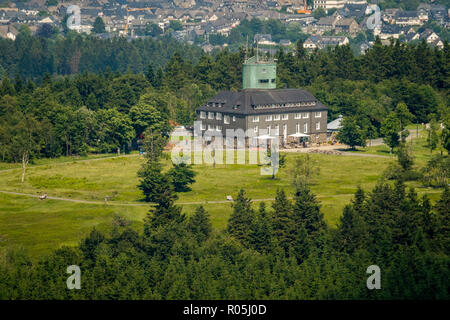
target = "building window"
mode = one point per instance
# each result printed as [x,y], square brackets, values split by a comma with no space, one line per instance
[305,129]
[218,128]
[298,116]
[255,118]
[276,117]
[202,115]
[218,116]
[226,119]
[211,115]
[318,126]
[297,128]
[202,126]
[269,118]
[305,115]
[268,130]
[263,80]
[318,114]
[277,129]
[210,127]
[255,129]
[285,116]
[234,118]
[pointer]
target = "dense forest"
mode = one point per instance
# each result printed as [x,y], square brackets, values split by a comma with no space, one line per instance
[110,104]
[283,252]
[287,251]
[33,56]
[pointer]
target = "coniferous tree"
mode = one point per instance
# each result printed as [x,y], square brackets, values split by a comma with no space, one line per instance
[99,26]
[358,200]
[306,214]
[241,218]
[442,208]
[152,181]
[281,218]
[150,74]
[352,232]
[300,50]
[260,236]
[181,176]
[200,225]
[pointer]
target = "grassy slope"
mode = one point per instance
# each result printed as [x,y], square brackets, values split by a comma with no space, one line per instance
[40,226]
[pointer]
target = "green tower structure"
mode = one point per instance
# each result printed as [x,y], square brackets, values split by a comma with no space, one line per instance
[259,74]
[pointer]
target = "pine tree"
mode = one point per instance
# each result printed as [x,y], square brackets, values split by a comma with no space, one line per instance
[281,218]
[200,224]
[241,218]
[159,78]
[300,50]
[6,87]
[99,26]
[150,75]
[351,233]
[358,201]
[442,208]
[306,214]
[182,176]
[153,182]
[260,236]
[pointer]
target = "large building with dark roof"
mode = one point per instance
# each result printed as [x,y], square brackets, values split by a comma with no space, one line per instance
[260,107]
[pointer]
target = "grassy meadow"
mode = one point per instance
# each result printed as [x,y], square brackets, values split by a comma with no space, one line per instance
[40,226]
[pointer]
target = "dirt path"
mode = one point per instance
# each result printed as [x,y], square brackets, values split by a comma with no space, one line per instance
[74,200]
[336,150]
[112,203]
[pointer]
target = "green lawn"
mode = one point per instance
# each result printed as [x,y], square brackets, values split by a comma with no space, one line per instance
[417,140]
[40,226]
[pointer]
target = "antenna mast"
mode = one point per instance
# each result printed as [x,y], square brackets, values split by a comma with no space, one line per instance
[257,51]
[246,49]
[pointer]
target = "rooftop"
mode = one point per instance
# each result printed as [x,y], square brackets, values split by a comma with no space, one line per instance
[263,101]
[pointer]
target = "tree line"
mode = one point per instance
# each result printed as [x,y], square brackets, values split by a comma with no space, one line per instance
[105,108]
[282,251]
[33,56]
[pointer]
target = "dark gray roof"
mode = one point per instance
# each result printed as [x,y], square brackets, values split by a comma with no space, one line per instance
[246,101]
[406,14]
